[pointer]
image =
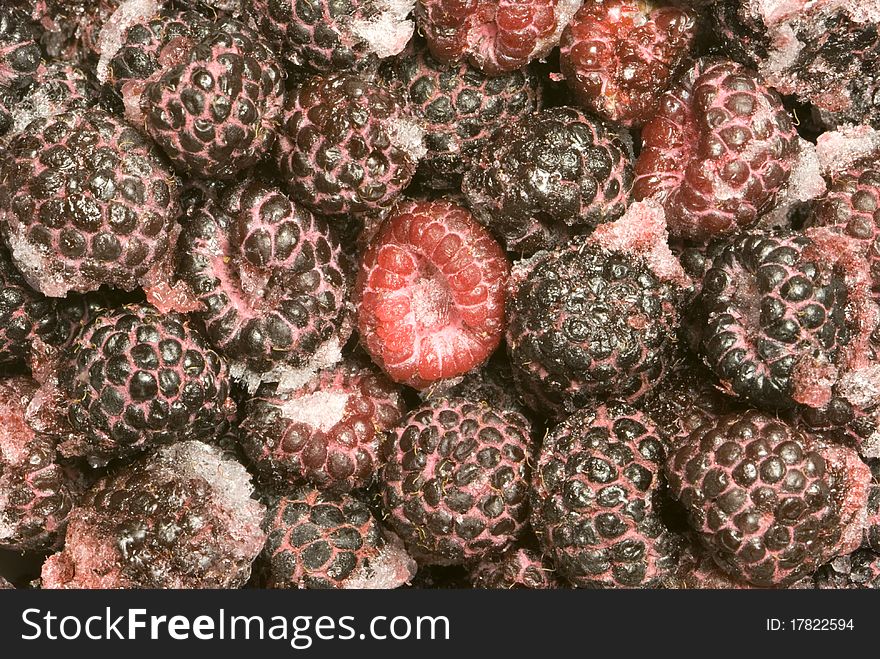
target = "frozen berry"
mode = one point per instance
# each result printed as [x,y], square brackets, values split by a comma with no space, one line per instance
[326,432]
[70,28]
[274,283]
[136,378]
[181,517]
[548,176]
[618,56]
[35,497]
[326,36]
[459,107]
[431,293]
[322,540]
[825,53]
[216,112]
[456,478]
[86,201]
[718,151]
[588,324]
[762,497]
[775,310]
[346,145]
[496,36]
[592,500]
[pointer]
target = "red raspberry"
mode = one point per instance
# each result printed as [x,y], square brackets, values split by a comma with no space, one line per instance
[431,292]
[495,35]
[619,55]
[718,151]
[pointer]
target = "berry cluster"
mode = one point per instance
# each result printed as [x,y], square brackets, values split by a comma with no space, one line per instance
[432,293]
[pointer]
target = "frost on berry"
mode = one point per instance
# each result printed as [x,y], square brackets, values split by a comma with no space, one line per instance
[718,152]
[112,33]
[334,36]
[273,281]
[431,294]
[592,500]
[326,432]
[853,485]
[618,56]
[455,482]
[641,233]
[826,52]
[851,205]
[322,540]
[58,87]
[35,495]
[496,36]
[859,570]
[181,517]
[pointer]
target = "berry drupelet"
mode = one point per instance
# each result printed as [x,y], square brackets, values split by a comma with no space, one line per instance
[274,283]
[548,176]
[455,482]
[592,500]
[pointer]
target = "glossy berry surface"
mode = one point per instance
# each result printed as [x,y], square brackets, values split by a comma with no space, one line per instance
[549,176]
[618,56]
